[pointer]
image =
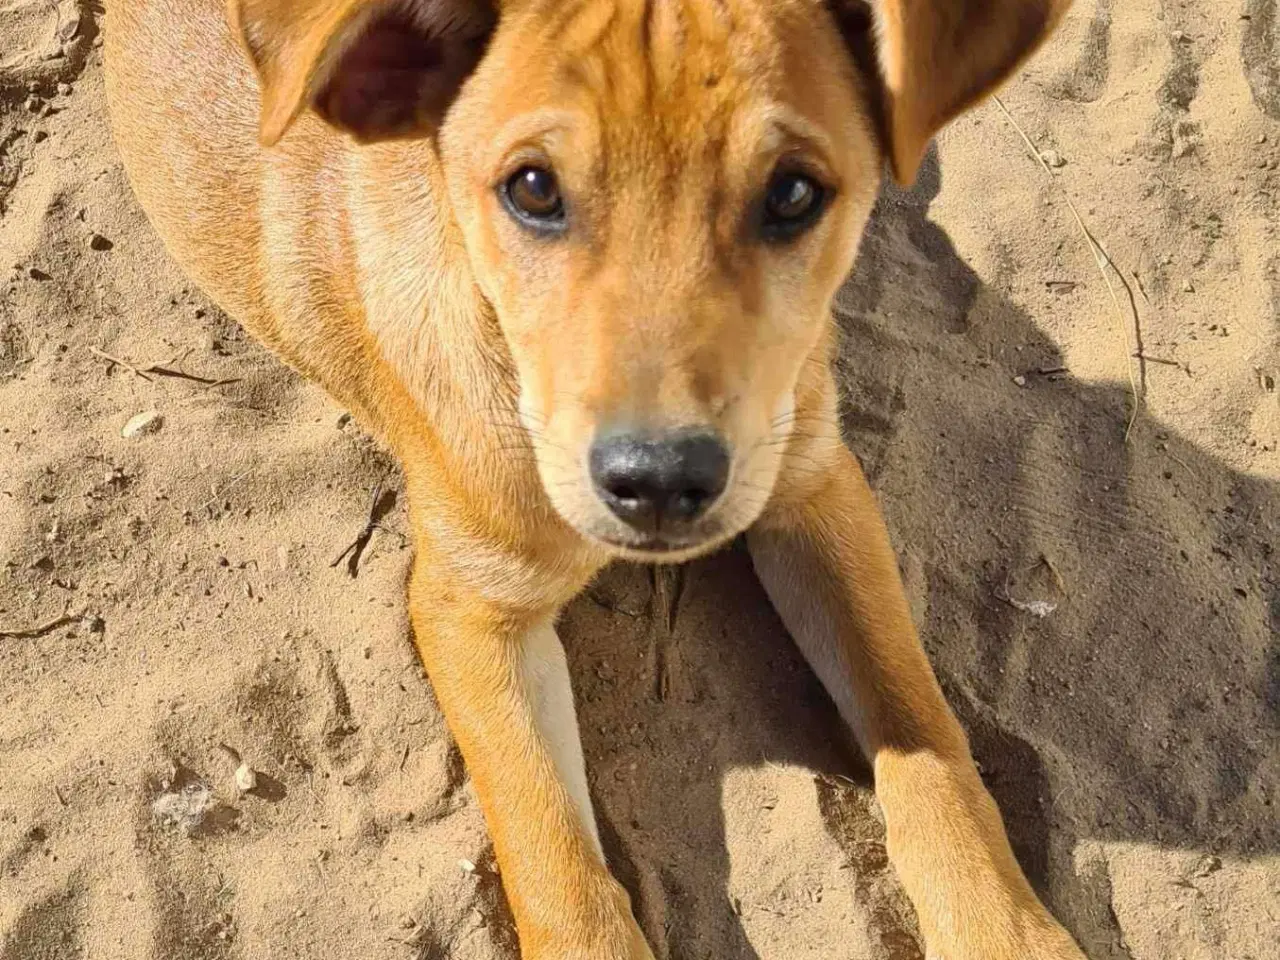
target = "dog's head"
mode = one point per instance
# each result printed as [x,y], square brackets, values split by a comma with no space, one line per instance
[659,198]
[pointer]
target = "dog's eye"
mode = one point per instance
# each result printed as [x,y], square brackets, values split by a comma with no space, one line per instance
[792,204]
[533,195]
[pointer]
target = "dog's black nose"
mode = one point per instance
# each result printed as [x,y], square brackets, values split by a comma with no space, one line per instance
[655,482]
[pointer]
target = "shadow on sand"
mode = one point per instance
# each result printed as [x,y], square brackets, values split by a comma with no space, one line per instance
[1138,711]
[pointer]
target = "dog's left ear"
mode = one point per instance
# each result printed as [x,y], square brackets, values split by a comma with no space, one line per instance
[937,58]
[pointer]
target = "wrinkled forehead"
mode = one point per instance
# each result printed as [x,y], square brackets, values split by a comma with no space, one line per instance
[690,75]
[648,52]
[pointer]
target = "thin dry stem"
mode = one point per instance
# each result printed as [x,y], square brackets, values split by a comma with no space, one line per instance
[119,363]
[1101,258]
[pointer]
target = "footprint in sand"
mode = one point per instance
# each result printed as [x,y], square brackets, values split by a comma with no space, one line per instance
[1260,54]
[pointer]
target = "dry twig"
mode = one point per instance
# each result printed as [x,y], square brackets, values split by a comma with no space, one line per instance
[1161,360]
[32,633]
[383,503]
[168,369]
[1103,260]
[162,371]
[120,363]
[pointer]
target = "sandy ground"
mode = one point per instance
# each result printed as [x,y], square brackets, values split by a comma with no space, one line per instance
[168,594]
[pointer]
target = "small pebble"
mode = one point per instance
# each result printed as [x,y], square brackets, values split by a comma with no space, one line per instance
[466,866]
[1053,158]
[100,243]
[143,423]
[246,778]
[1020,380]
[1208,865]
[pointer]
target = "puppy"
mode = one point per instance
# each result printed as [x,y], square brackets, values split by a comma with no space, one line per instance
[573,261]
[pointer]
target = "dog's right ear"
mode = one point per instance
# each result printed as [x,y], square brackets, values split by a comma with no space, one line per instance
[377,69]
[934,59]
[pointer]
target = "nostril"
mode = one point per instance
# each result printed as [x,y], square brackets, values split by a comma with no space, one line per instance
[690,503]
[704,470]
[622,491]
[647,481]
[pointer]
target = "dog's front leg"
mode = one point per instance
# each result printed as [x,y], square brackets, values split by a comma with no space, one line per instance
[823,555]
[500,676]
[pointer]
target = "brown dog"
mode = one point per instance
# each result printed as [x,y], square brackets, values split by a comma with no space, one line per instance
[573,260]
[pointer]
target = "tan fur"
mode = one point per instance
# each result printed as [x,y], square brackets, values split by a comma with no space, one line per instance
[379,262]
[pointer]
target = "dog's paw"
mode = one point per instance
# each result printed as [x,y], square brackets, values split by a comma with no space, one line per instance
[638,951]
[618,938]
[1042,939]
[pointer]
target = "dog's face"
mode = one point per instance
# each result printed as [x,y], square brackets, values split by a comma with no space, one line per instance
[659,199]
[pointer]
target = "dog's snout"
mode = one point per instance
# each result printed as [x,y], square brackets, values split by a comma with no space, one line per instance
[652,482]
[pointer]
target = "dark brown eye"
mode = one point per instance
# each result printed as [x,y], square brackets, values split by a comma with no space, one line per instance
[533,195]
[792,203]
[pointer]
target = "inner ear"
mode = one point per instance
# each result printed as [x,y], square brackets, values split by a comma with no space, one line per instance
[394,75]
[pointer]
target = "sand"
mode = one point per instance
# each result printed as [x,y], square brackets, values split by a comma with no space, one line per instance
[172,603]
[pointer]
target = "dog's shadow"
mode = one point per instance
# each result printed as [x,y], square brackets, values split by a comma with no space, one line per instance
[1137,711]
